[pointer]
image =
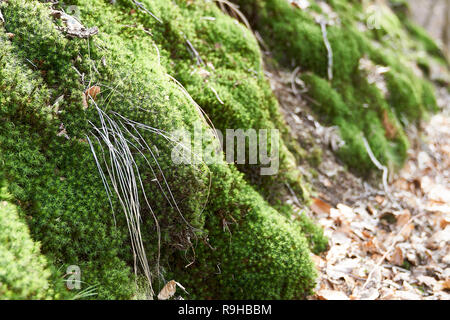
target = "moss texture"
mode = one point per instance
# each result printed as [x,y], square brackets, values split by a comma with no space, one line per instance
[231,238]
[349,100]
[23,270]
[51,171]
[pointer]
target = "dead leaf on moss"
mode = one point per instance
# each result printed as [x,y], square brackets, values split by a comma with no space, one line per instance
[73,27]
[391,130]
[92,92]
[204,73]
[84,101]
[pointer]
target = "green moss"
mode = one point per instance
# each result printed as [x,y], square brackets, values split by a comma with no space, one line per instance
[260,253]
[314,234]
[232,268]
[349,101]
[427,43]
[245,244]
[23,270]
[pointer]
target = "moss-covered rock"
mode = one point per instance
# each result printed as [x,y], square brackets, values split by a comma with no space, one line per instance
[217,228]
[356,31]
[219,222]
[23,270]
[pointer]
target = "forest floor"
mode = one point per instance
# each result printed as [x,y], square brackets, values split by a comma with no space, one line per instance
[383,244]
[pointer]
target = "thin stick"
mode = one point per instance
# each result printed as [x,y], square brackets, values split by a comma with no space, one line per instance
[141,6]
[378,165]
[323,26]
[194,52]
[293,86]
[235,9]
[217,95]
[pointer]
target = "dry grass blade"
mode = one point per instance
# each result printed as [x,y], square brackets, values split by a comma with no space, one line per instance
[121,177]
[217,95]
[141,6]
[125,179]
[235,12]
[378,165]
[323,26]
[194,52]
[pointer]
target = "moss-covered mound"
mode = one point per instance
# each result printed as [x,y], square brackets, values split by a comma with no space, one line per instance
[366,39]
[23,273]
[215,233]
[86,145]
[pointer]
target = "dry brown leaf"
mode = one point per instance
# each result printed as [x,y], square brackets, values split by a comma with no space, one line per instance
[92,92]
[301,4]
[397,257]
[168,291]
[371,210]
[331,295]
[446,259]
[367,234]
[406,232]
[367,294]
[444,285]
[402,184]
[403,218]
[346,211]
[342,213]
[379,199]
[387,294]
[426,280]
[319,206]
[444,222]
[318,261]
[407,295]
[371,246]
[391,130]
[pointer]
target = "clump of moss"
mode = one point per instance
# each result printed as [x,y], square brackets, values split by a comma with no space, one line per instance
[314,234]
[235,265]
[23,270]
[349,100]
[234,237]
[51,169]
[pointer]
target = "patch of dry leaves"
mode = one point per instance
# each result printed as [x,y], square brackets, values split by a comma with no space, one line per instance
[382,246]
[393,246]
